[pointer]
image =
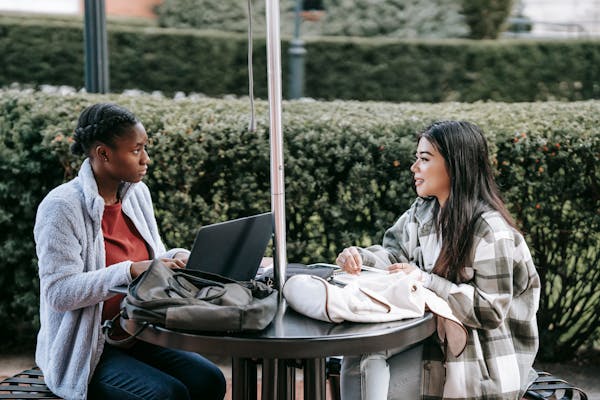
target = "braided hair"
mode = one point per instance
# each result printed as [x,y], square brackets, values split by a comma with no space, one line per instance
[102,122]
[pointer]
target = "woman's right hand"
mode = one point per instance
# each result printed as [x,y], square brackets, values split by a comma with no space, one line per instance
[350,260]
[138,267]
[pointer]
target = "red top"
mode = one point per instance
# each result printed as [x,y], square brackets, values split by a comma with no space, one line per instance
[122,242]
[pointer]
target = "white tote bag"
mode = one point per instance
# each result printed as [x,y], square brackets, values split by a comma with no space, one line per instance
[373,298]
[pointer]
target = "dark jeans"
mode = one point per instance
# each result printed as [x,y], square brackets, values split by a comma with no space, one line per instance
[146,372]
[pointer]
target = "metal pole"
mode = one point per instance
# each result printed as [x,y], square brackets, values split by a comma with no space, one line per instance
[314,379]
[96,48]
[297,53]
[276,141]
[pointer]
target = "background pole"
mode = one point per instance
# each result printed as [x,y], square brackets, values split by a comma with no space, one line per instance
[96,48]
[297,53]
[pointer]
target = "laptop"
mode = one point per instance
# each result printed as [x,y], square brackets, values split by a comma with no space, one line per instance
[232,248]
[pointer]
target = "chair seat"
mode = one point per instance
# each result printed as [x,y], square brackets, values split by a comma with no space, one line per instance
[547,386]
[28,384]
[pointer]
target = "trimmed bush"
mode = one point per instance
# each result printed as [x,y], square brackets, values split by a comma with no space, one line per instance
[347,180]
[140,58]
[486,18]
[550,180]
[392,18]
[215,64]
[227,15]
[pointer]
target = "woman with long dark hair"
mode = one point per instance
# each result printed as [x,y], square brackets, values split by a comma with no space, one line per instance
[460,241]
[94,233]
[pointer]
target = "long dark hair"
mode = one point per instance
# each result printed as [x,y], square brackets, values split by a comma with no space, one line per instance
[101,122]
[472,192]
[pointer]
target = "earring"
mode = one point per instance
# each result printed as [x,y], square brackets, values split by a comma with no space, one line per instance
[105,158]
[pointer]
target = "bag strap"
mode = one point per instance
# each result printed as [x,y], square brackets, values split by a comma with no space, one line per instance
[198,282]
[207,276]
[107,327]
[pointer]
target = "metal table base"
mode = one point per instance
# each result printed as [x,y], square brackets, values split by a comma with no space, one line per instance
[291,336]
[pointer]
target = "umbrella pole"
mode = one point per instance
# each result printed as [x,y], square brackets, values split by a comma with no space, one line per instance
[276,141]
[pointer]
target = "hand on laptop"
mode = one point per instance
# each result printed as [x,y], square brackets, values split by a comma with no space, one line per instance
[138,267]
[183,256]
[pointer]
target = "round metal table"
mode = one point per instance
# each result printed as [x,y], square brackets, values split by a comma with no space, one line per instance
[291,336]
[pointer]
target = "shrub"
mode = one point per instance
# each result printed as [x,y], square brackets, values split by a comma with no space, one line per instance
[215,64]
[225,15]
[552,182]
[139,58]
[486,18]
[393,18]
[347,180]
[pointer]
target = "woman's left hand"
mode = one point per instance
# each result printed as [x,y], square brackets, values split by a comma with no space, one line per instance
[401,267]
[410,270]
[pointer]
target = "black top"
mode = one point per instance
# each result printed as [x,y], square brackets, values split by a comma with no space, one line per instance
[292,335]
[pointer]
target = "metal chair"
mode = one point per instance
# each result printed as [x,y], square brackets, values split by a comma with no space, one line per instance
[545,387]
[28,384]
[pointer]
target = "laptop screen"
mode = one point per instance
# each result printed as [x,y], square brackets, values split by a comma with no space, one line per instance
[232,248]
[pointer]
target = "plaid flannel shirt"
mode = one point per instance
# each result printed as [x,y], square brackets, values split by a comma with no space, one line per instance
[497,304]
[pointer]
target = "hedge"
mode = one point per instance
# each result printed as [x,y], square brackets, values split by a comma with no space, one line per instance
[486,18]
[347,180]
[390,18]
[213,63]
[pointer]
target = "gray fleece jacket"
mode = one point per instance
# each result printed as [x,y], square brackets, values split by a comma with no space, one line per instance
[74,280]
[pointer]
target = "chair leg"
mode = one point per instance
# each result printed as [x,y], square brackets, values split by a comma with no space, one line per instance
[333,368]
[314,379]
[334,387]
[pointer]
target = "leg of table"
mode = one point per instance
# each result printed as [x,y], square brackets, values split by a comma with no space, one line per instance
[314,379]
[243,379]
[287,383]
[269,379]
[278,380]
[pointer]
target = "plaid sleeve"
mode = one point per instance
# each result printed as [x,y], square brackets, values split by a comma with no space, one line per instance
[394,248]
[484,301]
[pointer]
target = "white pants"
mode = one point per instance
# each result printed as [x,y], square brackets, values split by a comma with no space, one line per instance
[370,377]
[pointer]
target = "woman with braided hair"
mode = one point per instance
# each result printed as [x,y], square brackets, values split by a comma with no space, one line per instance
[94,233]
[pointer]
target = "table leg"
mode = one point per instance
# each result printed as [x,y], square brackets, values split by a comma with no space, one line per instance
[314,379]
[243,379]
[269,379]
[278,380]
[287,391]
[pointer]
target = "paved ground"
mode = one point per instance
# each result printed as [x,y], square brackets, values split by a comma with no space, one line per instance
[585,375]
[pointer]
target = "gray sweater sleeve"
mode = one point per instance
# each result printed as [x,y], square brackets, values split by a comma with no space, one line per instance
[66,281]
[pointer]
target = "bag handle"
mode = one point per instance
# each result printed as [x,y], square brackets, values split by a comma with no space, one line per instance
[196,280]
[208,276]
[107,327]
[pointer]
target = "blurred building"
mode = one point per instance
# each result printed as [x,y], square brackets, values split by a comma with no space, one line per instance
[121,8]
[562,18]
